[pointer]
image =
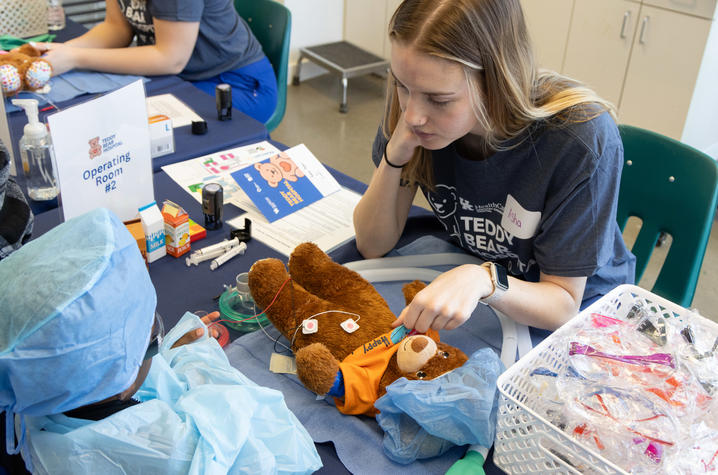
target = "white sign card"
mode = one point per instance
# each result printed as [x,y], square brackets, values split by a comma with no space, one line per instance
[102,151]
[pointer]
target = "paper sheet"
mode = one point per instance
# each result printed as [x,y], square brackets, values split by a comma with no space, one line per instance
[169,105]
[286,182]
[328,223]
[216,167]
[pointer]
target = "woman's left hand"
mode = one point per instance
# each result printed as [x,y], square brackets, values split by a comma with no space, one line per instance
[60,56]
[448,301]
[194,335]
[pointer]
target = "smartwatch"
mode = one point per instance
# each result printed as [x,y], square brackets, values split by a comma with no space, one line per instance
[500,280]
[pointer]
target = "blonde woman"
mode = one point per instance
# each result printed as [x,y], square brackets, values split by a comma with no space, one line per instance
[521,166]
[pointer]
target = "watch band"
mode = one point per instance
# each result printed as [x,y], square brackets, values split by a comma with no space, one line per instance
[499,279]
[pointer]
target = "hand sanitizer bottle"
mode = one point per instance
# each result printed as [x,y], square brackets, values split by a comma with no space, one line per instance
[38,158]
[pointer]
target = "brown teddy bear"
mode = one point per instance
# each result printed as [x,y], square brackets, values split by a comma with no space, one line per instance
[340,330]
[23,69]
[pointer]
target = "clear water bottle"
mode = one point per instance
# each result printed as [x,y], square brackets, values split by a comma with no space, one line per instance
[55,15]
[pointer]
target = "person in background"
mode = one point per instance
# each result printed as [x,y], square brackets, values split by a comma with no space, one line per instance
[203,41]
[90,384]
[521,166]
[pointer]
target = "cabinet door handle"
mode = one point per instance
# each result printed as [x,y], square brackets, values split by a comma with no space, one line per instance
[626,17]
[644,24]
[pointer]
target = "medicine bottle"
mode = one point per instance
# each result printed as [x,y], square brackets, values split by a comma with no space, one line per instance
[38,158]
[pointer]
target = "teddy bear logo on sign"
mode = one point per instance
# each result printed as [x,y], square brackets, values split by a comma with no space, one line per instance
[95,148]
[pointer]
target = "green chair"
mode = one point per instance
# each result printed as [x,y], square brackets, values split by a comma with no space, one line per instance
[672,188]
[271,23]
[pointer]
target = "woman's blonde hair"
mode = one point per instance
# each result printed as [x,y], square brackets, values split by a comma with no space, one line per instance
[508,93]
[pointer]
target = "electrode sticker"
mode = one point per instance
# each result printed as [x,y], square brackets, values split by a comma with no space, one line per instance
[349,325]
[310,326]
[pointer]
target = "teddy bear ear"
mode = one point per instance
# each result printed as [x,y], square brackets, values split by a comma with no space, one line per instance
[10,79]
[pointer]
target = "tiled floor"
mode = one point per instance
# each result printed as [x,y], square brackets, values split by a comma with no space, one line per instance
[344,141]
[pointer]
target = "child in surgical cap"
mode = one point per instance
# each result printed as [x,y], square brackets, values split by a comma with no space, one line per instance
[81,391]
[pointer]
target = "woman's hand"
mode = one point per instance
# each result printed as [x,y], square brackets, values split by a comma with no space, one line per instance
[194,335]
[448,301]
[402,143]
[60,56]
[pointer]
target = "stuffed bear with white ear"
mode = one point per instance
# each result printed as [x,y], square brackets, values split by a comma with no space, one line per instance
[23,70]
[340,329]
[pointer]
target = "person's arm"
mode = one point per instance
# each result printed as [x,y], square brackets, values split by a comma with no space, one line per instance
[174,43]
[113,32]
[450,299]
[381,214]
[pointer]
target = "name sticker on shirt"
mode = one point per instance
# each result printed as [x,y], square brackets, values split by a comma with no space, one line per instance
[518,221]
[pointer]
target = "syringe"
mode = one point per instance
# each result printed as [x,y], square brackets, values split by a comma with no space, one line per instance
[224,245]
[195,258]
[228,255]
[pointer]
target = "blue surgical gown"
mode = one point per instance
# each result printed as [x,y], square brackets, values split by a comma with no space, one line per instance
[198,415]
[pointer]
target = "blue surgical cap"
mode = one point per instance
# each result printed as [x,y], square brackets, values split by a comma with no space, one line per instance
[77,310]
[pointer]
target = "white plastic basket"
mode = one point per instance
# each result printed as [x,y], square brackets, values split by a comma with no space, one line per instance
[526,442]
[23,18]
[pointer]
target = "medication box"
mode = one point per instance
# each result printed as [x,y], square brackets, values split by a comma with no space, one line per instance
[176,228]
[162,140]
[196,232]
[154,229]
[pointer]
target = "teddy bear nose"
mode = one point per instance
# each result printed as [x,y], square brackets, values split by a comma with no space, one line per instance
[418,344]
[414,352]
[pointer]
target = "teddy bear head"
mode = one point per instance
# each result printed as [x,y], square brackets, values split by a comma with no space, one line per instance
[270,172]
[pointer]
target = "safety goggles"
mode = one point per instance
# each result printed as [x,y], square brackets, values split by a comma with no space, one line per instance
[158,333]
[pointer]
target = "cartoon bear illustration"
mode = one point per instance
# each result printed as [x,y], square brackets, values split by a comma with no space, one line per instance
[444,201]
[280,167]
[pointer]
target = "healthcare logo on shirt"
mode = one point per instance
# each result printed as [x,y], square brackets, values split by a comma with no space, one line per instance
[518,221]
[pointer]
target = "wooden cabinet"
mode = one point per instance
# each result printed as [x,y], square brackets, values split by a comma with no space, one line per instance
[599,44]
[548,23]
[663,71]
[656,60]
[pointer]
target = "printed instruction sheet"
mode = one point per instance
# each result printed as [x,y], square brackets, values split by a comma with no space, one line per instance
[169,105]
[327,222]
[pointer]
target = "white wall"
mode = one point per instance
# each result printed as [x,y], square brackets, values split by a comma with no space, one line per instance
[313,22]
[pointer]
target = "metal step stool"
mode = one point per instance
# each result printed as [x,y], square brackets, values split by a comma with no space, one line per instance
[343,59]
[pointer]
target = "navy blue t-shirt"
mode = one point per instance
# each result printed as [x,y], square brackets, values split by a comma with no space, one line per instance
[224,41]
[546,205]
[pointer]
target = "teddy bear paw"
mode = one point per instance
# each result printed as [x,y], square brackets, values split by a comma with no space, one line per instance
[317,368]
